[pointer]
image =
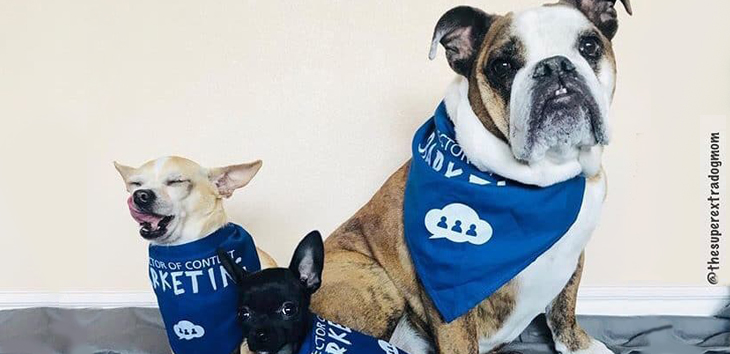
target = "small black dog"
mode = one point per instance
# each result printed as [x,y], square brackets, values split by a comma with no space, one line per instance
[274,310]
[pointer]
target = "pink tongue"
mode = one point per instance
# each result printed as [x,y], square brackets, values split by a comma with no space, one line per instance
[142,217]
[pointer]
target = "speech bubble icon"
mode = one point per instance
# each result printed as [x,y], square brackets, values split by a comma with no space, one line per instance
[458,223]
[188,330]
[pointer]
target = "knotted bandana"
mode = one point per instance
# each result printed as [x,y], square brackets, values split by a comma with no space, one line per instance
[469,232]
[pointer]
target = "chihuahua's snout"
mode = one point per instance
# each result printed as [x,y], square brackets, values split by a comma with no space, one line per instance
[144,198]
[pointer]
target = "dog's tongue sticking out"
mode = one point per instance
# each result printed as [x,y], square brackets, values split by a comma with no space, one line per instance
[152,224]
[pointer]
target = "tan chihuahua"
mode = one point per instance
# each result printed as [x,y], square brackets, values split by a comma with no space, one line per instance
[176,203]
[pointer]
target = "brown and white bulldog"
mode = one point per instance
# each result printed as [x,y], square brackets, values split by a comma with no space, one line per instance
[531,104]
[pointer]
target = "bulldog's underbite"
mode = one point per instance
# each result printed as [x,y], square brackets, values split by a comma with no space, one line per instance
[531,104]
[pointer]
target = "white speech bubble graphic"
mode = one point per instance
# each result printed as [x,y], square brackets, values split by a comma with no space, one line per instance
[188,330]
[387,347]
[458,223]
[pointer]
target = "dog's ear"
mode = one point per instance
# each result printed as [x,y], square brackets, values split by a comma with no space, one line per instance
[123,170]
[602,13]
[236,272]
[308,261]
[461,31]
[228,179]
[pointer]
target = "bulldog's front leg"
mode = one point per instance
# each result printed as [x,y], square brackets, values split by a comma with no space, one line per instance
[457,337]
[568,336]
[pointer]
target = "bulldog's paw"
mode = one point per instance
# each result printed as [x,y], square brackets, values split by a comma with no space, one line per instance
[595,347]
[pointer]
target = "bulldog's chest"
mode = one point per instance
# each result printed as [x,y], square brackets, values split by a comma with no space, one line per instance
[538,284]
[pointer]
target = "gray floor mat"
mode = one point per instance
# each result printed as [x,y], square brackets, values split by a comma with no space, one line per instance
[139,331]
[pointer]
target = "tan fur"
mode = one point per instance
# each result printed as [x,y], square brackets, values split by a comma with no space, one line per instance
[491,109]
[203,205]
[561,314]
[369,282]
[369,271]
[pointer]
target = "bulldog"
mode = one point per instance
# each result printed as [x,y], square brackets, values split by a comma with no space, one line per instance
[529,108]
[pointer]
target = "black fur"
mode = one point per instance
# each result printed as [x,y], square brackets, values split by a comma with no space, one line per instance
[264,296]
[602,13]
[461,31]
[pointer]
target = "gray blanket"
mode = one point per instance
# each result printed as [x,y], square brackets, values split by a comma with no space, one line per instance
[140,331]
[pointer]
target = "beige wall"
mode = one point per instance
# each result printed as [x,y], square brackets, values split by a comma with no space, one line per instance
[328,94]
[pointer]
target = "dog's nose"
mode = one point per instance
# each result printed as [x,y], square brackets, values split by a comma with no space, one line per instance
[262,336]
[554,66]
[144,197]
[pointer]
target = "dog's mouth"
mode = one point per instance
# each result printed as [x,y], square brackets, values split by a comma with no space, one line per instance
[564,117]
[152,226]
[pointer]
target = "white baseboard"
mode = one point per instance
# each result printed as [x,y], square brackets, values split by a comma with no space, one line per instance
[646,301]
[612,301]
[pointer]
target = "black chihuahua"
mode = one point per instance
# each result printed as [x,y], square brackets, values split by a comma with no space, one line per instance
[273,308]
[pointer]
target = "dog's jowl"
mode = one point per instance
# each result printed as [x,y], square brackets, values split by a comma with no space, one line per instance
[484,228]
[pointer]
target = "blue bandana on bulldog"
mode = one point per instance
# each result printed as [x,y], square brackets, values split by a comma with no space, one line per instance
[197,298]
[470,232]
[326,337]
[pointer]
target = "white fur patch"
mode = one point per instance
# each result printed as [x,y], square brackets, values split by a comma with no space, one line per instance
[546,32]
[544,279]
[410,339]
[490,154]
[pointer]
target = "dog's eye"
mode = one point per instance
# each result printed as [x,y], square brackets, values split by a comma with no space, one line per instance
[502,67]
[244,313]
[590,47]
[135,184]
[176,182]
[289,309]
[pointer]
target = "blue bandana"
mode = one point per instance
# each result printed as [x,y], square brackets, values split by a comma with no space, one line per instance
[327,337]
[470,232]
[197,298]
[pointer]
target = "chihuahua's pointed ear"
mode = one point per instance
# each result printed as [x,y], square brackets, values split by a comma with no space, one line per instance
[602,13]
[308,261]
[236,272]
[461,31]
[228,179]
[123,170]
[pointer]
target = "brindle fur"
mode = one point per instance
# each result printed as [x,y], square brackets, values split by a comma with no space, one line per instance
[561,314]
[369,272]
[369,282]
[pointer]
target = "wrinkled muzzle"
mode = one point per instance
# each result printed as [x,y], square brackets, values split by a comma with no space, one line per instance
[555,109]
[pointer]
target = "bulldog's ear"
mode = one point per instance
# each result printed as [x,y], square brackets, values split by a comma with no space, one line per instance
[602,13]
[236,272]
[228,179]
[308,261]
[461,31]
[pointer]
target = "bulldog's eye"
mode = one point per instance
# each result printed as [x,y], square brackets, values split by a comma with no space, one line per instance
[135,184]
[244,313]
[590,47]
[502,67]
[289,309]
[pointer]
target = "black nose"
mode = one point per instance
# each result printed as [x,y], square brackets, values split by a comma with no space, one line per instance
[144,197]
[555,66]
[261,336]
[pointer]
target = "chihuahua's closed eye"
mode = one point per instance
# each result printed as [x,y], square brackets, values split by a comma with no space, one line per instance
[274,303]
